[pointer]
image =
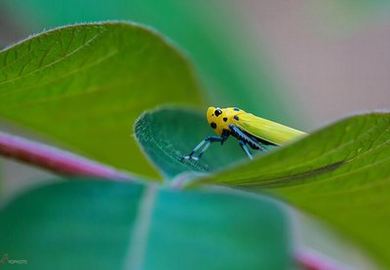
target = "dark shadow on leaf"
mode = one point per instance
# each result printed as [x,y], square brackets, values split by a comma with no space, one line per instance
[293,179]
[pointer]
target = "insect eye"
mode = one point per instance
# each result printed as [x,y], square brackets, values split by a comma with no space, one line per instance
[213,125]
[218,112]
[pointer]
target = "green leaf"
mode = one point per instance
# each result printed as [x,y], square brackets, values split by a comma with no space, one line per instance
[340,174]
[218,45]
[85,85]
[108,225]
[168,134]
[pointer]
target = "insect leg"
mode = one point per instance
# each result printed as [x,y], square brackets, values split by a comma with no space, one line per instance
[246,149]
[240,135]
[202,147]
[199,146]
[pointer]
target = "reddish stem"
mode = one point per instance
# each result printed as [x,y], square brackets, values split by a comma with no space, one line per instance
[55,159]
[313,260]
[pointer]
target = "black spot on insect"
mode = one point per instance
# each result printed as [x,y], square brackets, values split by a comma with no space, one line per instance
[225,119]
[236,117]
[213,125]
[236,109]
[217,112]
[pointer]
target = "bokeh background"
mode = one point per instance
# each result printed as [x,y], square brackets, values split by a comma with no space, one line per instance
[303,63]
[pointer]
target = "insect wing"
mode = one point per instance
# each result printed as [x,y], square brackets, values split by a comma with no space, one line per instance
[266,129]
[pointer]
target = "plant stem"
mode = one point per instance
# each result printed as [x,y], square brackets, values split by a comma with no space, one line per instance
[313,260]
[55,159]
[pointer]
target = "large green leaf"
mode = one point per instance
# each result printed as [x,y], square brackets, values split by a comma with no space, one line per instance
[340,174]
[85,85]
[168,134]
[221,48]
[106,225]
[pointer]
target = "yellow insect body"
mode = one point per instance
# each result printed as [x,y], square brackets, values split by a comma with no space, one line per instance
[256,126]
[252,132]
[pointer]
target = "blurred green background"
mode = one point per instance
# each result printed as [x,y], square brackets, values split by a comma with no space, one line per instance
[303,63]
[210,32]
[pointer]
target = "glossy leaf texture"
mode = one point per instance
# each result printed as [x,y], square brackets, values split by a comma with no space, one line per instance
[113,225]
[84,86]
[340,174]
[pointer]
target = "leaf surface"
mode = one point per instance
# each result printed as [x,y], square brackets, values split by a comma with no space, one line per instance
[168,134]
[108,225]
[340,174]
[84,86]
